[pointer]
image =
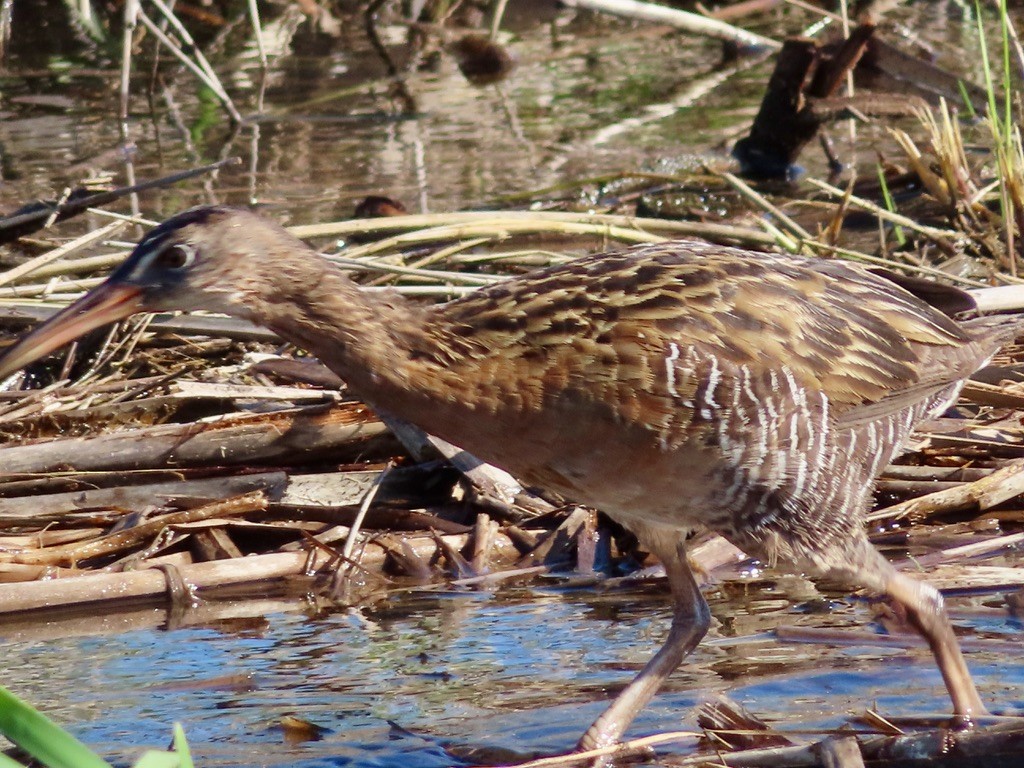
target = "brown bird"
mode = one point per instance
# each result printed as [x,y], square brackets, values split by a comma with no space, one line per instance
[674,386]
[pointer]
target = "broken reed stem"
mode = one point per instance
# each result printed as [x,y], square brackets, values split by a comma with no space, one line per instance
[69,290]
[541,221]
[501,230]
[479,228]
[973,549]
[364,507]
[71,554]
[84,265]
[51,287]
[132,11]
[903,266]
[221,440]
[683,20]
[621,751]
[945,236]
[206,75]
[94,588]
[755,197]
[257,33]
[205,72]
[440,255]
[16,273]
[1001,485]
[35,592]
[442,276]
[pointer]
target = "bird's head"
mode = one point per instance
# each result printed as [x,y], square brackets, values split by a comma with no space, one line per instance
[200,259]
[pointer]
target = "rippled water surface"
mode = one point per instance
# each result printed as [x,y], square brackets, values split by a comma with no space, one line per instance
[591,96]
[436,679]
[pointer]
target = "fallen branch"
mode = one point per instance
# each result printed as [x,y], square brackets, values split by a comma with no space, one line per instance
[149,583]
[71,554]
[52,506]
[1000,486]
[302,434]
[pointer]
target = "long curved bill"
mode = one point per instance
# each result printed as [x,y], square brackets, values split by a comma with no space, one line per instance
[105,304]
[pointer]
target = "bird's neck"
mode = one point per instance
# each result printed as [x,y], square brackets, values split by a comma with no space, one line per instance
[386,348]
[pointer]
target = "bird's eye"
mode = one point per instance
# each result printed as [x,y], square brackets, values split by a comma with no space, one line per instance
[175,257]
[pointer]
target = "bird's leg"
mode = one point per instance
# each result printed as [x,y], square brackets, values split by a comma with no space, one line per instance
[927,614]
[690,621]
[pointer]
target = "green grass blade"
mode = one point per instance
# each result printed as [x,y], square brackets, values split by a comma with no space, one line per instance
[890,205]
[966,97]
[42,738]
[986,68]
[181,747]
[9,762]
[1004,22]
[179,758]
[156,758]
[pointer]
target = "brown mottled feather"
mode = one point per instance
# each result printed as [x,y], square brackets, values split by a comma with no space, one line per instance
[601,328]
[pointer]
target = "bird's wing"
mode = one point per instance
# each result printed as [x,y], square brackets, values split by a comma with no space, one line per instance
[647,332]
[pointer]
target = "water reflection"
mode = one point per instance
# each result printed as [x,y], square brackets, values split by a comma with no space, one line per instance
[401,682]
[590,95]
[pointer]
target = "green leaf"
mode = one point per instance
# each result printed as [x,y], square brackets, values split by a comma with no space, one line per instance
[46,741]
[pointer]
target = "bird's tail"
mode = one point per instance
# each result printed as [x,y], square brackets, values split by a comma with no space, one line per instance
[995,330]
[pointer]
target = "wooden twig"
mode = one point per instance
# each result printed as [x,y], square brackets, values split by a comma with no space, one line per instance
[1001,485]
[785,122]
[688,22]
[25,510]
[956,749]
[71,554]
[616,752]
[23,223]
[364,506]
[250,438]
[16,273]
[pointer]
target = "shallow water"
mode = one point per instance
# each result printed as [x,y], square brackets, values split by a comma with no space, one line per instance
[590,96]
[433,679]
